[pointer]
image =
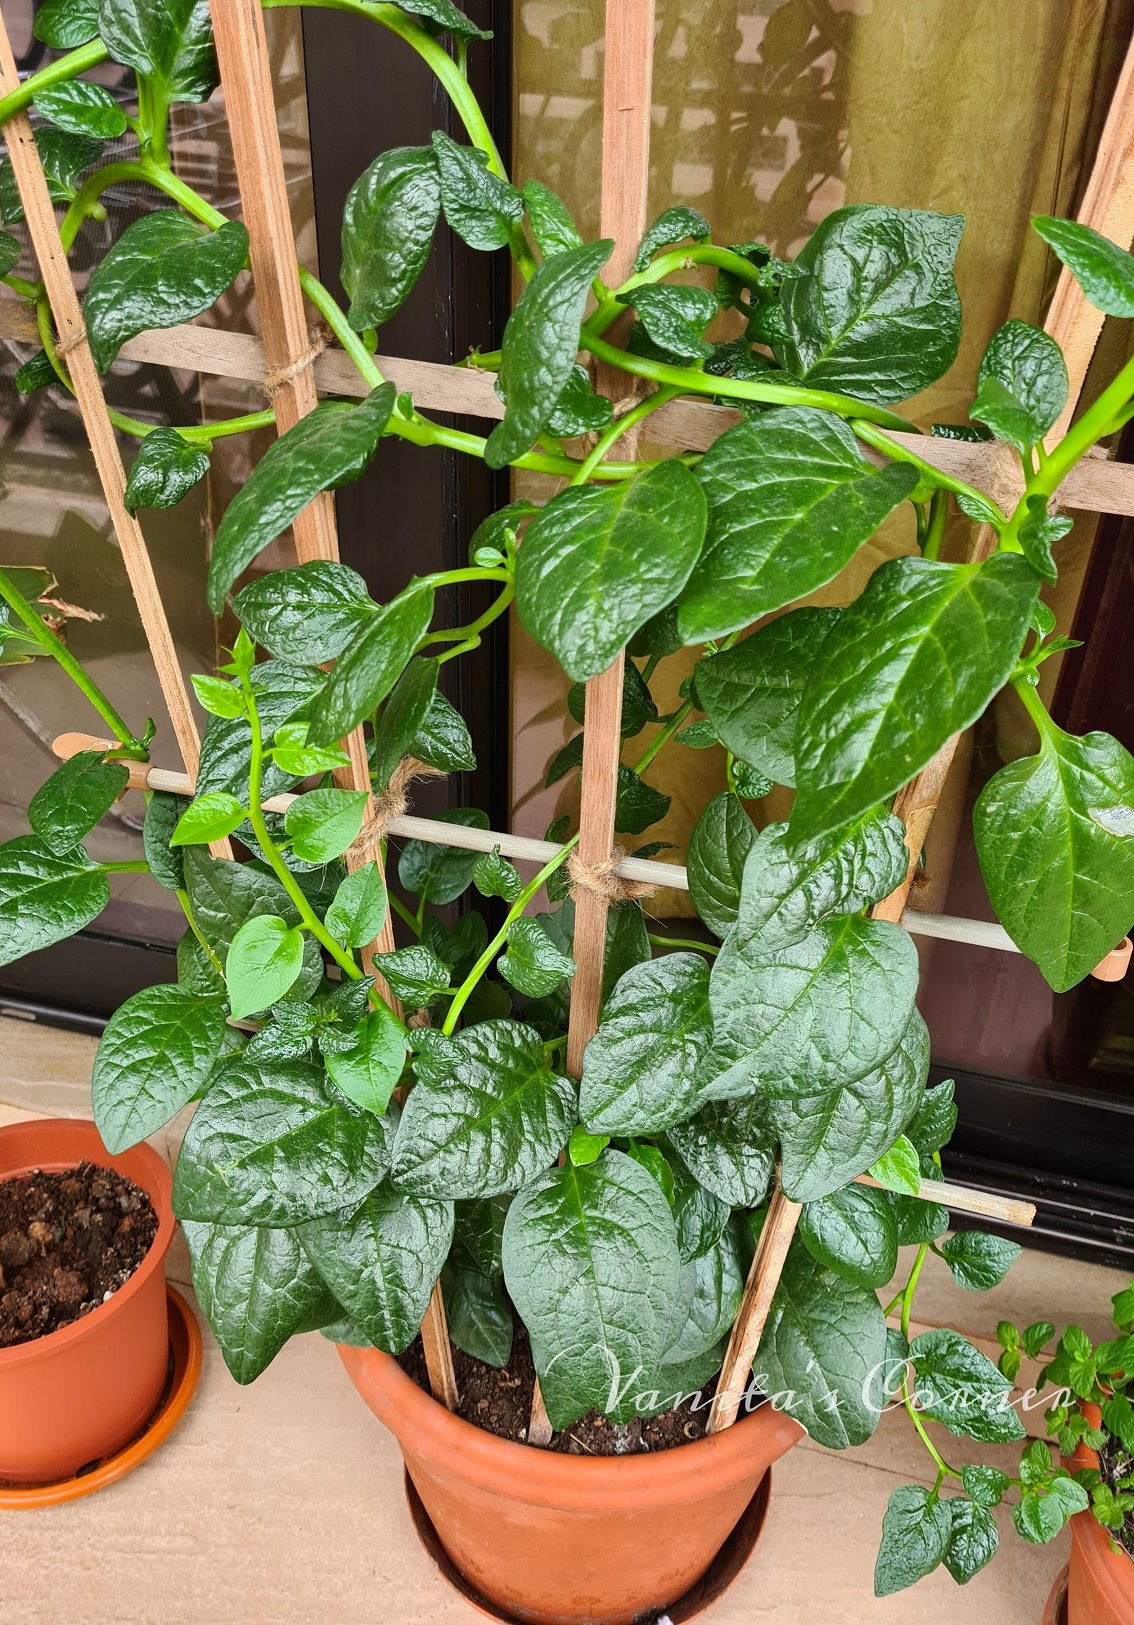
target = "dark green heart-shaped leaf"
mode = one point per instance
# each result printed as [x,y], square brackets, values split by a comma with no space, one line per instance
[1104,271]
[650,1064]
[973,1539]
[368,669]
[273,1144]
[368,1073]
[382,1261]
[1021,385]
[224,896]
[675,317]
[533,965]
[164,269]
[978,1261]
[672,226]
[959,1386]
[825,1345]
[916,1530]
[486,1118]
[541,341]
[155,1053]
[852,1232]
[1055,838]
[878,315]
[388,223]
[480,206]
[74,798]
[165,469]
[591,1263]
[82,109]
[478,1315]
[306,615]
[167,42]
[716,1276]
[829,1137]
[579,410]
[599,561]
[910,663]
[63,157]
[721,841]
[37,372]
[552,225]
[162,817]
[45,895]
[751,693]
[443,17]
[415,974]
[64,24]
[443,739]
[791,500]
[441,873]
[328,448]
[403,715]
[729,1149]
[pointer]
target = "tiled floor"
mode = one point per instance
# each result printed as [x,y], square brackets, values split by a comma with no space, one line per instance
[282,1503]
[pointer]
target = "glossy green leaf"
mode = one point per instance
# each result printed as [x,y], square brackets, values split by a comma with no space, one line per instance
[541,341]
[829,1137]
[532,964]
[852,1232]
[164,269]
[984,1485]
[208,818]
[1104,271]
[64,24]
[369,1073]
[552,226]
[168,42]
[166,468]
[323,823]
[415,974]
[480,206]
[1021,384]
[918,1222]
[74,798]
[718,847]
[382,1261]
[716,1276]
[878,315]
[256,1288]
[480,1232]
[591,1263]
[599,561]
[443,17]
[960,1387]
[358,912]
[155,1052]
[441,873]
[486,1118]
[225,895]
[979,1261]
[578,409]
[162,816]
[264,959]
[219,697]
[1037,535]
[785,894]
[306,615]
[81,108]
[916,1530]
[935,1119]
[898,1168]
[478,1315]
[973,1539]
[817,1013]
[751,693]
[37,372]
[637,804]
[494,876]
[910,663]
[368,669]
[63,157]
[281,691]
[675,317]
[45,896]
[700,1216]
[328,448]
[823,1345]
[403,715]
[672,226]
[650,1065]
[389,218]
[1055,838]
[729,1149]
[272,1144]
[443,739]
[791,500]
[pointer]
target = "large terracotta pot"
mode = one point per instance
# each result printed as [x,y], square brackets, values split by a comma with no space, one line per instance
[84,1391]
[1100,1583]
[569,1540]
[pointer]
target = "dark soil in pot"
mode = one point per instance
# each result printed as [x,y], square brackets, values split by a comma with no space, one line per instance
[68,1241]
[1116,1465]
[500,1402]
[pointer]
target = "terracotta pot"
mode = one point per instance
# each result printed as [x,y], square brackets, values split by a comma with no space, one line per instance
[1100,1584]
[569,1540]
[84,1391]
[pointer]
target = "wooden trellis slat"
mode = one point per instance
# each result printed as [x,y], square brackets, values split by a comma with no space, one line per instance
[245,73]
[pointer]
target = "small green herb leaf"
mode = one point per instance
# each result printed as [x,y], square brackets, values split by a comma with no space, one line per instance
[64,24]
[368,1074]
[1021,385]
[323,823]
[415,974]
[403,715]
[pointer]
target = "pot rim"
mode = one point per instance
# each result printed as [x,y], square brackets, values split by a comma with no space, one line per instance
[1090,1534]
[685,1473]
[71,1132]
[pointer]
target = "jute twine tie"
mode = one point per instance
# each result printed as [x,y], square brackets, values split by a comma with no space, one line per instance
[71,342]
[601,879]
[390,804]
[319,337]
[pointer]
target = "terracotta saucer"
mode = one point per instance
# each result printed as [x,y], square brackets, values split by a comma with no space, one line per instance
[185,1368]
[723,1570]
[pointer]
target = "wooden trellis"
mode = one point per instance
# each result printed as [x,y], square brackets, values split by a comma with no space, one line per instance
[1094,486]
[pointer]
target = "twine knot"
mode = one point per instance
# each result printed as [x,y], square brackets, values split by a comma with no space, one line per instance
[601,879]
[390,804]
[64,346]
[319,337]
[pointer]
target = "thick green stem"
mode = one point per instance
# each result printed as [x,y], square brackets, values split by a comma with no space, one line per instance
[935,529]
[663,736]
[868,431]
[679,260]
[710,948]
[307,915]
[50,644]
[460,998]
[468,637]
[56,73]
[943,1467]
[621,426]
[133,866]
[1035,707]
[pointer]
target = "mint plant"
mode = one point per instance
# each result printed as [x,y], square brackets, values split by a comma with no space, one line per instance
[344,1154]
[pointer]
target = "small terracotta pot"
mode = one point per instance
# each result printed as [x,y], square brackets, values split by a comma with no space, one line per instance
[1100,1583]
[84,1391]
[569,1540]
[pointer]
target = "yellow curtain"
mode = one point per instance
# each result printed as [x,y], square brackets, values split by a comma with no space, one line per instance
[766,117]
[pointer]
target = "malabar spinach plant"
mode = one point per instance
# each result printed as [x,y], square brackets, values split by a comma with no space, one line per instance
[342,1158]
